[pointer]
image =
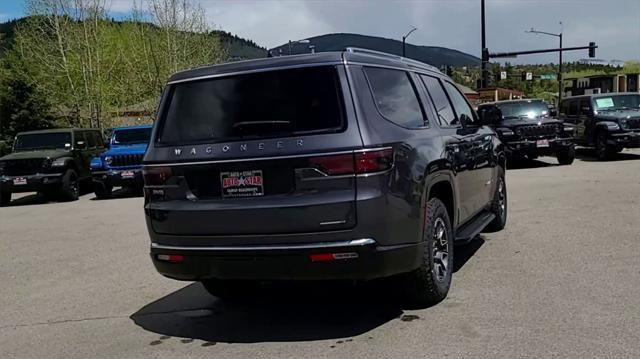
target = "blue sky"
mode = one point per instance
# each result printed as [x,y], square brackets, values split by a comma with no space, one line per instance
[10,9]
[613,24]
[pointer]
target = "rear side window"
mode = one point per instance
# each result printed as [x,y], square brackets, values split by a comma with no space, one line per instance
[250,106]
[446,116]
[91,141]
[395,97]
[463,110]
[573,108]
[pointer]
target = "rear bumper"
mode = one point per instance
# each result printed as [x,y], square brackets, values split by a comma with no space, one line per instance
[34,183]
[530,147]
[625,139]
[115,178]
[360,259]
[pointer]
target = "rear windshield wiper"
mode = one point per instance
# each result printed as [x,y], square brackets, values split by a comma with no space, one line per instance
[254,123]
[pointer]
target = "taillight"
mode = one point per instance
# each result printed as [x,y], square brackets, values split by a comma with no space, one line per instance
[333,165]
[374,161]
[156,176]
[356,163]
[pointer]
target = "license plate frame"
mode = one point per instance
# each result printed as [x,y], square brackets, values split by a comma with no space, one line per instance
[19,181]
[127,174]
[542,143]
[239,184]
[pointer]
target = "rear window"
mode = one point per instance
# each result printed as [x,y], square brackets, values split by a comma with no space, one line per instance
[260,105]
[131,136]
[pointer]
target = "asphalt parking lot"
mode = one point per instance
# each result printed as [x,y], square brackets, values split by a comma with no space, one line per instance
[562,280]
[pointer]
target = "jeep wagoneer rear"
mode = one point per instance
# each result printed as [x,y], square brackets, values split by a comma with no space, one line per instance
[263,170]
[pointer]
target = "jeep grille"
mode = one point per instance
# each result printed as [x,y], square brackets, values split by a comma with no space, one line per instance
[23,167]
[633,123]
[127,160]
[537,131]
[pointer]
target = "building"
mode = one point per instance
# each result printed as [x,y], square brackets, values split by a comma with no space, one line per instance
[602,84]
[490,94]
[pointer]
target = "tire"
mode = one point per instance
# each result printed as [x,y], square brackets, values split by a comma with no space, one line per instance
[499,204]
[566,155]
[102,191]
[237,290]
[5,198]
[70,190]
[602,150]
[430,283]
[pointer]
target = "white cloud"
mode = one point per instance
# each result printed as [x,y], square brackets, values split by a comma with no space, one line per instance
[615,25]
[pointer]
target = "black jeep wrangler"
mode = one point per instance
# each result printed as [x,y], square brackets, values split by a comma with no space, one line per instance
[346,165]
[528,131]
[609,122]
[51,162]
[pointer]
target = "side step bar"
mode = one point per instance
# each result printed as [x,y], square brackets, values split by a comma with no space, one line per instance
[473,228]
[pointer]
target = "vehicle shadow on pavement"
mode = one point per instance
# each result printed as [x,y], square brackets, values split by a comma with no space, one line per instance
[294,313]
[282,313]
[120,193]
[463,253]
[37,198]
[589,155]
[526,164]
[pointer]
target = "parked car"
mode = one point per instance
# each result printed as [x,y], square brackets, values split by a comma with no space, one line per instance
[51,162]
[339,165]
[121,164]
[528,131]
[609,122]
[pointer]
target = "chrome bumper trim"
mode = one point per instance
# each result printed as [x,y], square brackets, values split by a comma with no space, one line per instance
[322,245]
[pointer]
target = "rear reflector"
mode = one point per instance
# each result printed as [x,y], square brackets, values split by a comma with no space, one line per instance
[156,176]
[357,163]
[171,258]
[328,257]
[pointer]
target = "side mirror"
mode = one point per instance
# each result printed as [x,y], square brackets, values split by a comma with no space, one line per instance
[107,144]
[489,115]
[80,145]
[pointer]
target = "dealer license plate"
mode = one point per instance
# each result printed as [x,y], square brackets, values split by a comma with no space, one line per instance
[542,143]
[19,181]
[127,174]
[242,183]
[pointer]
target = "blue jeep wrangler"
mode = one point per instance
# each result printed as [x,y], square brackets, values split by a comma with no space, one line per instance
[120,165]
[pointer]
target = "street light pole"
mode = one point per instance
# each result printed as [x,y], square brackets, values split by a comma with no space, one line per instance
[532,31]
[404,38]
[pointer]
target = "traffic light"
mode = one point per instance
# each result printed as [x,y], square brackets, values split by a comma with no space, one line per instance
[524,76]
[592,49]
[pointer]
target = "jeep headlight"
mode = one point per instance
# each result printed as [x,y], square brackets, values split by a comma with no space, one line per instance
[46,163]
[58,163]
[623,123]
[108,160]
[96,163]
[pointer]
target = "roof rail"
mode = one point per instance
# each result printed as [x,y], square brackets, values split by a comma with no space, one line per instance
[408,61]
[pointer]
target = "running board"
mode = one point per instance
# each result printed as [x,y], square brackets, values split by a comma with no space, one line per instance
[473,228]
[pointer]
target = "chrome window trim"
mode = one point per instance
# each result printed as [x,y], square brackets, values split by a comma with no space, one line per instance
[320,245]
[193,163]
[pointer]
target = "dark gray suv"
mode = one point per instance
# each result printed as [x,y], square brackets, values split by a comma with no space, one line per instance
[345,165]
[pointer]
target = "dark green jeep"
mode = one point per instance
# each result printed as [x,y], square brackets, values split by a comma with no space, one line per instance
[50,162]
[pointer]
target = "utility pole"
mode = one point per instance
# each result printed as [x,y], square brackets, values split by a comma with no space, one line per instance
[485,52]
[404,38]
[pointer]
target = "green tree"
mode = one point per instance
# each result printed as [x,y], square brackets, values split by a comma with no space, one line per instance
[23,106]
